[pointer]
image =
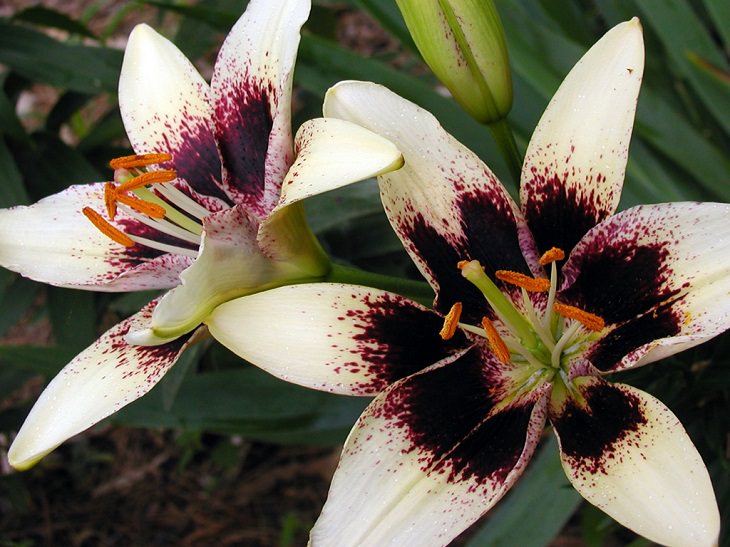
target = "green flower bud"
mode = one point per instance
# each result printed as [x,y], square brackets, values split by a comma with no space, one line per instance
[463,43]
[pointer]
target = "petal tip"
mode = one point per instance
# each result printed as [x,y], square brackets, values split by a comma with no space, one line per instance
[21,460]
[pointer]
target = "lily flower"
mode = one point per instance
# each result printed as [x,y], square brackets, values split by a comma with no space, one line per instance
[535,305]
[199,207]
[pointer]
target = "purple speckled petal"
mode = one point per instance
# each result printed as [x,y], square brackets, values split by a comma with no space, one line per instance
[444,204]
[626,453]
[339,338]
[660,277]
[53,242]
[430,455]
[574,166]
[165,107]
[251,88]
[103,378]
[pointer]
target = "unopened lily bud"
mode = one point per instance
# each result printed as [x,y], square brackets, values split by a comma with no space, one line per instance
[463,43]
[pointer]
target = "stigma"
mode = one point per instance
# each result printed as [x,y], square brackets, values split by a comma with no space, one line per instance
[151,203]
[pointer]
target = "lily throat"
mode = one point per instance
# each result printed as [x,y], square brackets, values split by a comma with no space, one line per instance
[157,214]
[538,332]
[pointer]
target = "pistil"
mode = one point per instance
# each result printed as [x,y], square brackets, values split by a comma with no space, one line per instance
[503,308]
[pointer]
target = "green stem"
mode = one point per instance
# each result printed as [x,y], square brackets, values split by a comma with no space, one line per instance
[505,139]
[416,290]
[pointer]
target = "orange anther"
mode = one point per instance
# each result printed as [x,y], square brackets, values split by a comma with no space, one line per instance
[145,207]
[462,264]
[552,255]
[451,321]
[531,284]
[138,160]
[151,177]
[496,344]
[110,199]
[107,229]
[589,320]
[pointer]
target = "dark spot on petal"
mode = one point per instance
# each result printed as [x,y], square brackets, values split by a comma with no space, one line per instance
[445,413]
[619,280]
[243,126]
[441,257]
[196,159]
[558,216]
[589,436]
[633,334]
[488,233]
[399,339]
[140,253]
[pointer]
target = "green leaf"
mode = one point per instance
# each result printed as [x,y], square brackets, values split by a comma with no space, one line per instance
[47,17]
[174,378]
[40,58]
[69,103]
[387,14]
[15,301]
[12,190]
[543,485]
[719,10]
[9,122]
[682,33]
[51,166]
[659,125]
[39,360]
[249,402]
[220,19]
[11,379]
[73,316]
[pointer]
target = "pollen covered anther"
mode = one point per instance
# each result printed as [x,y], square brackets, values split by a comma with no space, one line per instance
[587,319]
[451,321]
[146,208]
[107,229]
[531,284]
[110,199]
[496,344]
[138,160]
[552,255]
[151,177]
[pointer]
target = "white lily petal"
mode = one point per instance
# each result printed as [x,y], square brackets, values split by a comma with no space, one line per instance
[626,453]
[575,162]
[103,378]
[165,108]
[338,338]
[660,277]
[428,457]
[229,265]
[53,242]
[444,199]
[251,87]
[332,153]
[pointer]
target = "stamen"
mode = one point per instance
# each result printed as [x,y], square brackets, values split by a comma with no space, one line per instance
[110,199]
[138,160]
[451,321]
[589,320]
[150,177]
[552,255]
[150,209]
[532,284]
[107,229]
[496,344]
